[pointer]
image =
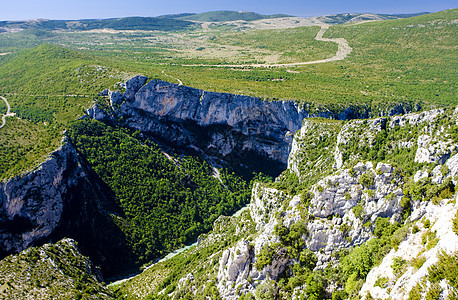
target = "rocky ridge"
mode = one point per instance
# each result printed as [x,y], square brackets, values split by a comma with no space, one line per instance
[340,210]
[235,128]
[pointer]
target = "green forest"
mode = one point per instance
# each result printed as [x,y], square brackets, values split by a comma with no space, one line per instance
[167,202]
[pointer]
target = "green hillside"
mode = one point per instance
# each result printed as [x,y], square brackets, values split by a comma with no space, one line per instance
[348,18]
[44,99]
[411,59]
[408,60]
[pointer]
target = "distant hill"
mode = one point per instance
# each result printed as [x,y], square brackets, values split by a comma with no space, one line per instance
[129,23]
[224,16]
[356,17]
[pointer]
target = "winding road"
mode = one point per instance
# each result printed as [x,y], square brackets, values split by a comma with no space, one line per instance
[8,112]
[179,81]
[342,51]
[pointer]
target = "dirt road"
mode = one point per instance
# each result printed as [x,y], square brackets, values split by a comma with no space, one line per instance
[342,51]
[8,112]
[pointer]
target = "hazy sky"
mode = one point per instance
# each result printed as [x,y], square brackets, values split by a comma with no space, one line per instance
[95,9]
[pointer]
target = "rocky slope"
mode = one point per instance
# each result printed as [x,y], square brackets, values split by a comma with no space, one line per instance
[236,128]
[62,198]
[374,228]
[52,271]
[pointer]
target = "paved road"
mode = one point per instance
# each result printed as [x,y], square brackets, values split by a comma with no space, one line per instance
[8,112]
[342,51]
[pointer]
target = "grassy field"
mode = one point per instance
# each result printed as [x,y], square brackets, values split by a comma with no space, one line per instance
[292,45]
[45,98]
[410,60]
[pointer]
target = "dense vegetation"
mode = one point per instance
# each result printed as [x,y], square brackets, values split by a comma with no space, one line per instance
[356,264]
[167,201]
[202,259]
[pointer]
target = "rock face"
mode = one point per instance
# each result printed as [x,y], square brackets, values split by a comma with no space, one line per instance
[345,205]
[62,198]
[398,286]
[336,224]
[235,128]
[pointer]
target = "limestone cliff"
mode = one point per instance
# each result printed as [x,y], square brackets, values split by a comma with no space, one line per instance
[235,128]
[62,198]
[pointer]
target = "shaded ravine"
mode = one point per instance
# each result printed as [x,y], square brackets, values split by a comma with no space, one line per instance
[342,51]
[171,254]
[8,112]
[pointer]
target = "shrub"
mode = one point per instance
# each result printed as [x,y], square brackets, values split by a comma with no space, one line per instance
[370,193]
[430,239]
[315,287]
[367,179]
[264,291]
[398,266]
[357,210]
[352,172]
[361,260]
[306,197]
[308,259]
[398,236]
[384,228]
[381,281]
[405,202]
[339,295]
[427,223]
[320,188]
[445,268]
[455,224]
[353,284]
[415,292]
[264,257]
[418,262]
[433,292]
[367,224]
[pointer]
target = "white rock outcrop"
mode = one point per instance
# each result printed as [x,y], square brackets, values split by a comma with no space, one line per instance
[398,287]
